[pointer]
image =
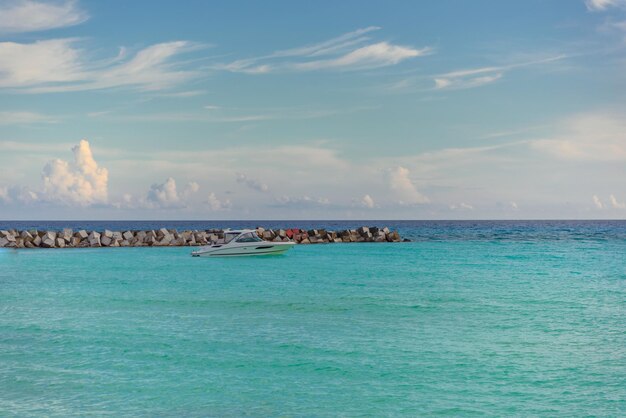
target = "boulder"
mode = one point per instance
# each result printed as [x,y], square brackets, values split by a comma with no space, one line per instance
[10,237]
[363,231]
[127,236]
[393,236]
[106,241]
[47,241]
[81,235]
[37,241]
[60,242]
[305,241]
[26,236]
[107,234]
[94,239]
[3,242]
[66,234]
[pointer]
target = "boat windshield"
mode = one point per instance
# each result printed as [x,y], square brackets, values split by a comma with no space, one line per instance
[229,236]
[249,237]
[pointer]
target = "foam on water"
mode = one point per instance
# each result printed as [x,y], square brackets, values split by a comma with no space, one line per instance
[448,326]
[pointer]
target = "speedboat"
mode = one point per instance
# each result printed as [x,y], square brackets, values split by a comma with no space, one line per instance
[242,242]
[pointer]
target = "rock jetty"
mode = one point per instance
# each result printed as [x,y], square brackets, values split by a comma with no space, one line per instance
[68,238]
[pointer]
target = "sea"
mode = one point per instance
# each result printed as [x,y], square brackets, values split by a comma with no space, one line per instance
[470,318]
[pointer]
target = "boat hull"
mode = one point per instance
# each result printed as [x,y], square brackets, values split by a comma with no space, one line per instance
[259,249]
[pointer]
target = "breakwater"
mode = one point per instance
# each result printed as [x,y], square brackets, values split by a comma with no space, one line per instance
[68,238]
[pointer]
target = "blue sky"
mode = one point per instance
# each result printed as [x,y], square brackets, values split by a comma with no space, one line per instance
[329,110]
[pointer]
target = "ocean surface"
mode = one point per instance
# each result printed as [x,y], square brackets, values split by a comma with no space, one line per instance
[469,319]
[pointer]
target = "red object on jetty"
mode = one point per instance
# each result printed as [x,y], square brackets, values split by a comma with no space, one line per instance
[289,233]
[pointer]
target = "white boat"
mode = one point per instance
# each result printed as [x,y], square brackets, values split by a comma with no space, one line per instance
[242,242]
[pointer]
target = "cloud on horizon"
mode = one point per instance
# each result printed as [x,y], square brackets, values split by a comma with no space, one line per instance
[82,182]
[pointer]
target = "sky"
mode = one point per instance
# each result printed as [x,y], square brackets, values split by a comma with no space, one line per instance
[312,110]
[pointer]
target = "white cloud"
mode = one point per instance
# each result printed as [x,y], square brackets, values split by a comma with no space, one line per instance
[367,201]
[587,137]
[597,202]
[599,5]
[161,196]
[301,201]
[24,118]
[252,183]
[164,195]
[346,52]
[462,206]
[50,61]
[29,15]
[476,77]
[616,204]
[17,194]
[381,54]
[466,83]
[216,204]
[191,188]
[403,187]
[80,182]
[57,65]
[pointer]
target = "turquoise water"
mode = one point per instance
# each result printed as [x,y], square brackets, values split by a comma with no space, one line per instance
[449,327]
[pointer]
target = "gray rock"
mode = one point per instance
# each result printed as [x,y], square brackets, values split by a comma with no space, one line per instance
[26,236]
[48,242]
[66,234]
[94,239]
